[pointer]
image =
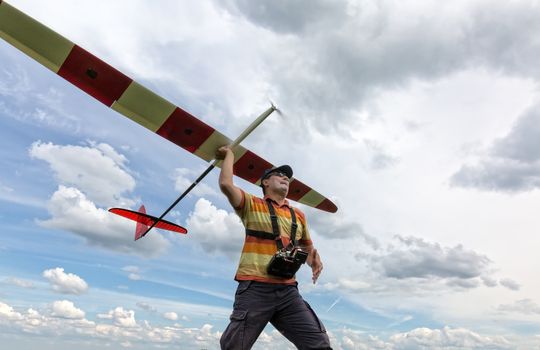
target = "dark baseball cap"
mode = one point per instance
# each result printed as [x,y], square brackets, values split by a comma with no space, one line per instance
[285,169]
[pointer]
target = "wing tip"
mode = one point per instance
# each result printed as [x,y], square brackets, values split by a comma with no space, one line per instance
[327,205]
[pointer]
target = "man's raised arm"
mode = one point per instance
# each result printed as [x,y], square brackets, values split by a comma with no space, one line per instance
[226,184]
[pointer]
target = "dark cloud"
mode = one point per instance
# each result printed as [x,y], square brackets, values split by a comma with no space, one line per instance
[347,53]
[285,16]
[416,258]
[489,281]
[512,163]
[510,284]
[419,266]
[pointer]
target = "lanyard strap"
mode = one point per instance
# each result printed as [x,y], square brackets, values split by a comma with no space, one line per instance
[275,226]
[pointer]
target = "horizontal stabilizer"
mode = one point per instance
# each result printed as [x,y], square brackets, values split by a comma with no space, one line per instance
[144,221]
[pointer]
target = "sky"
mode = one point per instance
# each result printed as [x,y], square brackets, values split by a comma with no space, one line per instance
[419,119]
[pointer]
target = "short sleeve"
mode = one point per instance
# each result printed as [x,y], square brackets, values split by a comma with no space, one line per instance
[245,205]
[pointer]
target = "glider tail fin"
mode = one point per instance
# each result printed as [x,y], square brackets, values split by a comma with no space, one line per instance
[145,221]
[141,226]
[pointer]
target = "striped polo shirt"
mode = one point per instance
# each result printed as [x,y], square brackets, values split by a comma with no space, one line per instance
[257,252]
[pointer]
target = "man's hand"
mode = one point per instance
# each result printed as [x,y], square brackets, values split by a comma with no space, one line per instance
[314,260]
[222,152]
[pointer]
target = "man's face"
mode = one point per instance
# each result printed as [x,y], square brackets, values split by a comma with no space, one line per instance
[278,182]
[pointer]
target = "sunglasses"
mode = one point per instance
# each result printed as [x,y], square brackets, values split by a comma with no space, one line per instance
[280,174]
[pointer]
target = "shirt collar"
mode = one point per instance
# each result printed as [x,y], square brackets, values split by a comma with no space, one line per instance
[285,202]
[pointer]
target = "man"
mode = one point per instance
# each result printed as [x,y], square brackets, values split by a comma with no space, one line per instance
[262,297]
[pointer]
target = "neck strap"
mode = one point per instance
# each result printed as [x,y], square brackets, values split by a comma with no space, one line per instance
[275,226]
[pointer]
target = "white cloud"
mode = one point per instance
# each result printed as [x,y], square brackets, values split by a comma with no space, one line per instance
[73,212]
[8,313]
[67,283]
[215,229]
[66,309]
[121,318]
[99,171]
[71,322]
[456,338]
[19,282]
[173,316]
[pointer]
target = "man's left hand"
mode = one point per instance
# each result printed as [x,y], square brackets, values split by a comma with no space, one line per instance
[314,260]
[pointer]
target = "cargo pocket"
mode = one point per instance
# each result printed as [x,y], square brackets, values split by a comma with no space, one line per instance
[321,326]
[238,315]
[233,337]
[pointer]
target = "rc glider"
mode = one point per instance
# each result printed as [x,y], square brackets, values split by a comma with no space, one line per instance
[131,99]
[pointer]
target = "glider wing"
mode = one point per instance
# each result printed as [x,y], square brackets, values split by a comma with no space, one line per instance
[121,93]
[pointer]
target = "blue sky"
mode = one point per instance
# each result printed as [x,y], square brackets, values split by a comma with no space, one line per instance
[421,123]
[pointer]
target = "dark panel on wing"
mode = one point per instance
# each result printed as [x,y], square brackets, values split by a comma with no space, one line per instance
[185,130]
[94,76]
[250,167]
[297,190]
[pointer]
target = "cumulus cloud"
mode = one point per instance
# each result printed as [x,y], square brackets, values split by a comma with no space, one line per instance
[100,174]
[8,313]
[71,211]
[512,164]
[414,257]
[65,321]
[445,338]
[414,265]
[66,309]
[121,317]
[124,329]
[99,171]
[66,283]
[216,230]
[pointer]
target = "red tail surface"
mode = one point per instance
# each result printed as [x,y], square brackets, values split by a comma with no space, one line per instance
[144,221]
[141,227]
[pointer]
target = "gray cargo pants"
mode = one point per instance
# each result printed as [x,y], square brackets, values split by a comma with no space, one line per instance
[258,303]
